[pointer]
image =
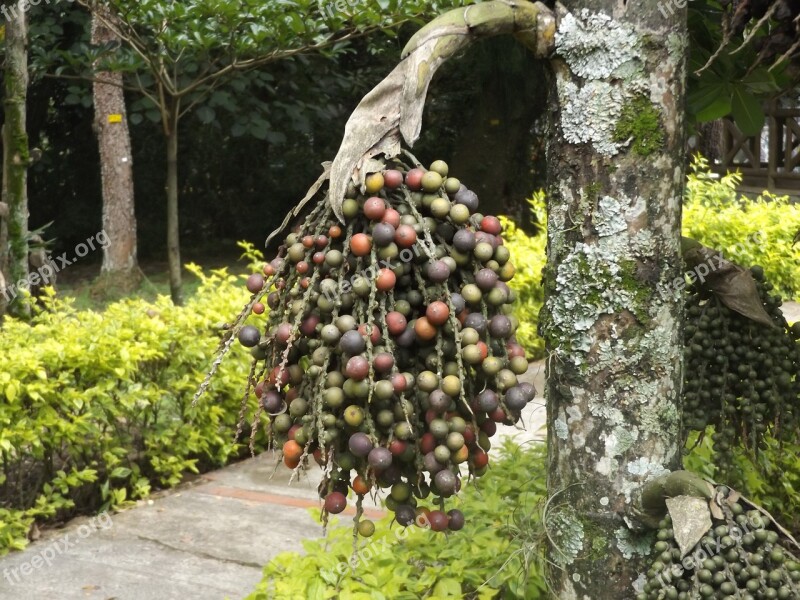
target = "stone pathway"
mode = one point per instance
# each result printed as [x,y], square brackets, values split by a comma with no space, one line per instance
[791,310]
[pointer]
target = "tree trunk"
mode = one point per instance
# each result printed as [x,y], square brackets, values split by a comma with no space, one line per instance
[173,228]
[120,272]
[616,175]
[3,251]
[16,159]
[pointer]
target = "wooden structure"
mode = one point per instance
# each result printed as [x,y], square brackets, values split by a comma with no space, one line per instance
[779,170]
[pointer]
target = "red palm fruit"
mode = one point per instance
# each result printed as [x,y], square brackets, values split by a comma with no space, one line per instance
[392,217]
[399,382]
[438,520]
[437,313]
[427,442]
[374,208]
[386,280]
[414,179]
[480,458]
[392,179]
[405,236]
[335,502]
[375,336]
[424,329]
[396,322]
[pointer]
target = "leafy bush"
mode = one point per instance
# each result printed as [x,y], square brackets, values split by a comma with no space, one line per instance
[96,408]
[748,232]
[529,256]
[490,558]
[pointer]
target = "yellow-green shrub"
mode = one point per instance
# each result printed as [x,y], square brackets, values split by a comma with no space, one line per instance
[528,255]
[96,407]
[494,556]
[749,232]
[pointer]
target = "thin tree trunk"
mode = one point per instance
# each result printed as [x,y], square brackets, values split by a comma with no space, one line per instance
[3,251]
[173,227]
[120,270]
[16,159]
[616,173]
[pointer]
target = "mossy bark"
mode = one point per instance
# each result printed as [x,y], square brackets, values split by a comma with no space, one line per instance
[614,366]
[16,159]
[120,272]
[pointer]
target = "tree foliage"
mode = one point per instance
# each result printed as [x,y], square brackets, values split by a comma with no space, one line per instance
[742,53]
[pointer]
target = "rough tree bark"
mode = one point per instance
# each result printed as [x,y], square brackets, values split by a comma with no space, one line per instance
[615,158]
[16,158]
[120,271]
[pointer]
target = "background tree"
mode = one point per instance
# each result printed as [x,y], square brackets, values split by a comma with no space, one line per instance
[181,56]
[120,271]
[16,157]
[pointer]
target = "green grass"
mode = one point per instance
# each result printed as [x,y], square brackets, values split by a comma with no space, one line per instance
[78,283]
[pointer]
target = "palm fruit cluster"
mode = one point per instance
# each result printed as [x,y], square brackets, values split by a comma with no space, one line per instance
[742,377]
[743,556]
[388,353]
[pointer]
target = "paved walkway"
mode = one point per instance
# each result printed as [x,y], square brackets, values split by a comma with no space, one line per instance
[206,540]
[791,311]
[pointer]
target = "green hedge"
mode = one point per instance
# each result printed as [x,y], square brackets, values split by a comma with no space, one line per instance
[528,254]
[749,231]
[494,556]
[95,407]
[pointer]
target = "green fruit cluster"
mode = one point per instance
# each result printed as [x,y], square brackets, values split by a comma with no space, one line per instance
[742,557]
[388,353]
[740,376]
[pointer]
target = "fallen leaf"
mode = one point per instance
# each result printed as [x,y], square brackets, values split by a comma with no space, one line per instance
[691,520]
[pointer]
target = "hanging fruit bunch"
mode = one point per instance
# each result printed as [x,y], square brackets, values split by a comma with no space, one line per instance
[742,375]
[740,553]
[388,354]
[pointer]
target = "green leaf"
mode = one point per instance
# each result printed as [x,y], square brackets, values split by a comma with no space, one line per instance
[206,114]
[120,473]
[12,389]
[448,588]
[747,111]
[710,101]
[760,81]
[721,107]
